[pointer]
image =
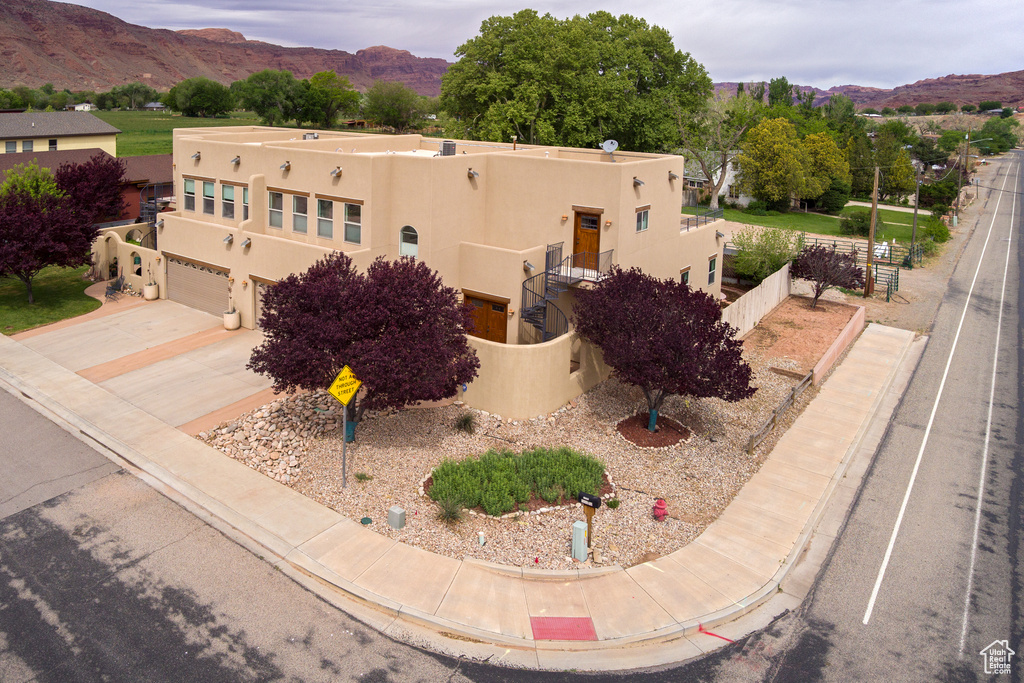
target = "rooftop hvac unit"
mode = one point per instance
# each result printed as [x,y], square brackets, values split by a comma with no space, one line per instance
[311,136]
[448,148]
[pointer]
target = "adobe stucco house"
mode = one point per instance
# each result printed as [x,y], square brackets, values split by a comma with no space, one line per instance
[515,229]
[50,131]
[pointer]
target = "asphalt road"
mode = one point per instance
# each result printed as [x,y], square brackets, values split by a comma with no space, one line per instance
[940,508]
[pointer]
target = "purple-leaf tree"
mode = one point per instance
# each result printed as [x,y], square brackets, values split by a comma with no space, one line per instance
[94,187]
[663,337]
[827,268]
[397,326]
[40,229]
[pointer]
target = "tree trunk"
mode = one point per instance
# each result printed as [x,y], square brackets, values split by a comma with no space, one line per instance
[654,401]
[28,286]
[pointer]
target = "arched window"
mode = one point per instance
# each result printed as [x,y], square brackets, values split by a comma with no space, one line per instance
[408,242]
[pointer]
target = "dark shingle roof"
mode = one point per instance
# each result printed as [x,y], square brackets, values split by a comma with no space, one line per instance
[39,124]
[153,168]
[50,160]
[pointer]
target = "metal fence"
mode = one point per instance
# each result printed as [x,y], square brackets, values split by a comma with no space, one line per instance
[700,219]
[891,254]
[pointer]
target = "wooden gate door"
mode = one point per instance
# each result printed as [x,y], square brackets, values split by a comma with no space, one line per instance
[490,319]
[586,241]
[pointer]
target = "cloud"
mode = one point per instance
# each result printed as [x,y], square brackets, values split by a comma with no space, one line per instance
[880,43]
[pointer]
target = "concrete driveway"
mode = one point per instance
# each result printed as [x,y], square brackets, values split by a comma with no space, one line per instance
[176,363]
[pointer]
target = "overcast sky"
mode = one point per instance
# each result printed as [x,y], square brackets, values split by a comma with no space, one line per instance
[880,43]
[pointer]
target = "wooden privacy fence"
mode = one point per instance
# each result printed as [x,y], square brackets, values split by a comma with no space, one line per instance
[760,435]
[746,312]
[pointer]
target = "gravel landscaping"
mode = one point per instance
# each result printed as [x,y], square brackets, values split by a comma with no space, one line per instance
[297,440]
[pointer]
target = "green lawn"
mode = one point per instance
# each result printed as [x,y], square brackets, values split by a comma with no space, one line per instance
[150,132]
[894,224]
[59,294]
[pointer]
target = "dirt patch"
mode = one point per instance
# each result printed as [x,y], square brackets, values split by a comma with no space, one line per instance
[667,432]
[799,333]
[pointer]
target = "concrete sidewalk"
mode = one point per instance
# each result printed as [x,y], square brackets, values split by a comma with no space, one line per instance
[611,618]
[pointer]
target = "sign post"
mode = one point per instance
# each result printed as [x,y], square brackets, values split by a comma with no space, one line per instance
[344,387]
[590,504]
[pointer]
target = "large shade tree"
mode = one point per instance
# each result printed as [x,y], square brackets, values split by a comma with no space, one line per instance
[397,326]
[712,135]
[41,225]
[663,337]
[94,187]
[573,82]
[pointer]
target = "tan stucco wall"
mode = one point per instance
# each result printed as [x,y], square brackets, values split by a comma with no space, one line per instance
[526,381]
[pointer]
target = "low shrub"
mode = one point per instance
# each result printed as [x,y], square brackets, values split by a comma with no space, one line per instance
[614,503]
[934,229]
[449,510]
[466,422]
[363,477]
[501,481]
[756,208]
[858,223]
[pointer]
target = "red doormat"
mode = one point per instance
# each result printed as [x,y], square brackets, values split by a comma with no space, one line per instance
[563,628]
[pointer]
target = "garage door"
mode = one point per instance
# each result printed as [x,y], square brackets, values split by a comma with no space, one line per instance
[197,285]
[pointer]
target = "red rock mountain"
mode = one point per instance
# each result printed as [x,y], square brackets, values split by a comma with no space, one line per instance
[84,49]
[1007,88]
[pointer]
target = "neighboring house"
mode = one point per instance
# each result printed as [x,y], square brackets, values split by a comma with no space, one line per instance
[154,106]
[55,131]
[149,180]
[84,106]
[515,231]
[697,181]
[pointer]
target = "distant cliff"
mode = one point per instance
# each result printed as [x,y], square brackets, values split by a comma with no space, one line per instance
[84,49]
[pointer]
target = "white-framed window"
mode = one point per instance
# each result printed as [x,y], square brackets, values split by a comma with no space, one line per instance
[53,144]
[325,218]
[208,197]
[641,218]
[408,242]
[275,205]
[190,194]
[684,275]
[11,147]
[353,223]
[227,201]
[299,213]
[245,203]
[712,265]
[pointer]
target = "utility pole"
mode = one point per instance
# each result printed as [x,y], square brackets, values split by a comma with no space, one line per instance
[960,179]
[869,284]
[917,200]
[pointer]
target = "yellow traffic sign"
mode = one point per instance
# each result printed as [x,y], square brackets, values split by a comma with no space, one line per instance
[345,385]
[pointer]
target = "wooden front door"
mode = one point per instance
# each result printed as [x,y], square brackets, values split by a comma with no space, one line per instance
[490,318]
[586,240]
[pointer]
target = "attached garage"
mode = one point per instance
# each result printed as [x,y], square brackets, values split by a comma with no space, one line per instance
[199,285]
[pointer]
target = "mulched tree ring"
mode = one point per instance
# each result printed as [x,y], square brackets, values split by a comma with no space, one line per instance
[668,432]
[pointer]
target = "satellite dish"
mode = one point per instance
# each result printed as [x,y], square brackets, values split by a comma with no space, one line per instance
[609,146]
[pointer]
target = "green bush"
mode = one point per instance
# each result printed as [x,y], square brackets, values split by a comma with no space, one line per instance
[756,208]
[501,481]
[857,222]
[449,510]
[613,503]
[763,252]
[934,229]
[466,422]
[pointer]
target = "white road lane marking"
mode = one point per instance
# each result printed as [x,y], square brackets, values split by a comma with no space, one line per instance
[931,418]
[988,434]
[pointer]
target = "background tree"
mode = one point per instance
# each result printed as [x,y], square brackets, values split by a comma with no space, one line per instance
[330,95]
[1004,134]
[94,188]
[924,109]
[773,164]
[780,92]
[860,156]
[398,327]
[712,136]
[571,82]
[763,251]
[40,227]
[274,96]
[827,268]
[968,108]
[827,165]
[989,105]
[390,103]
[200,97]
[905,109]
[663,337]
[133,95]
[944,107]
